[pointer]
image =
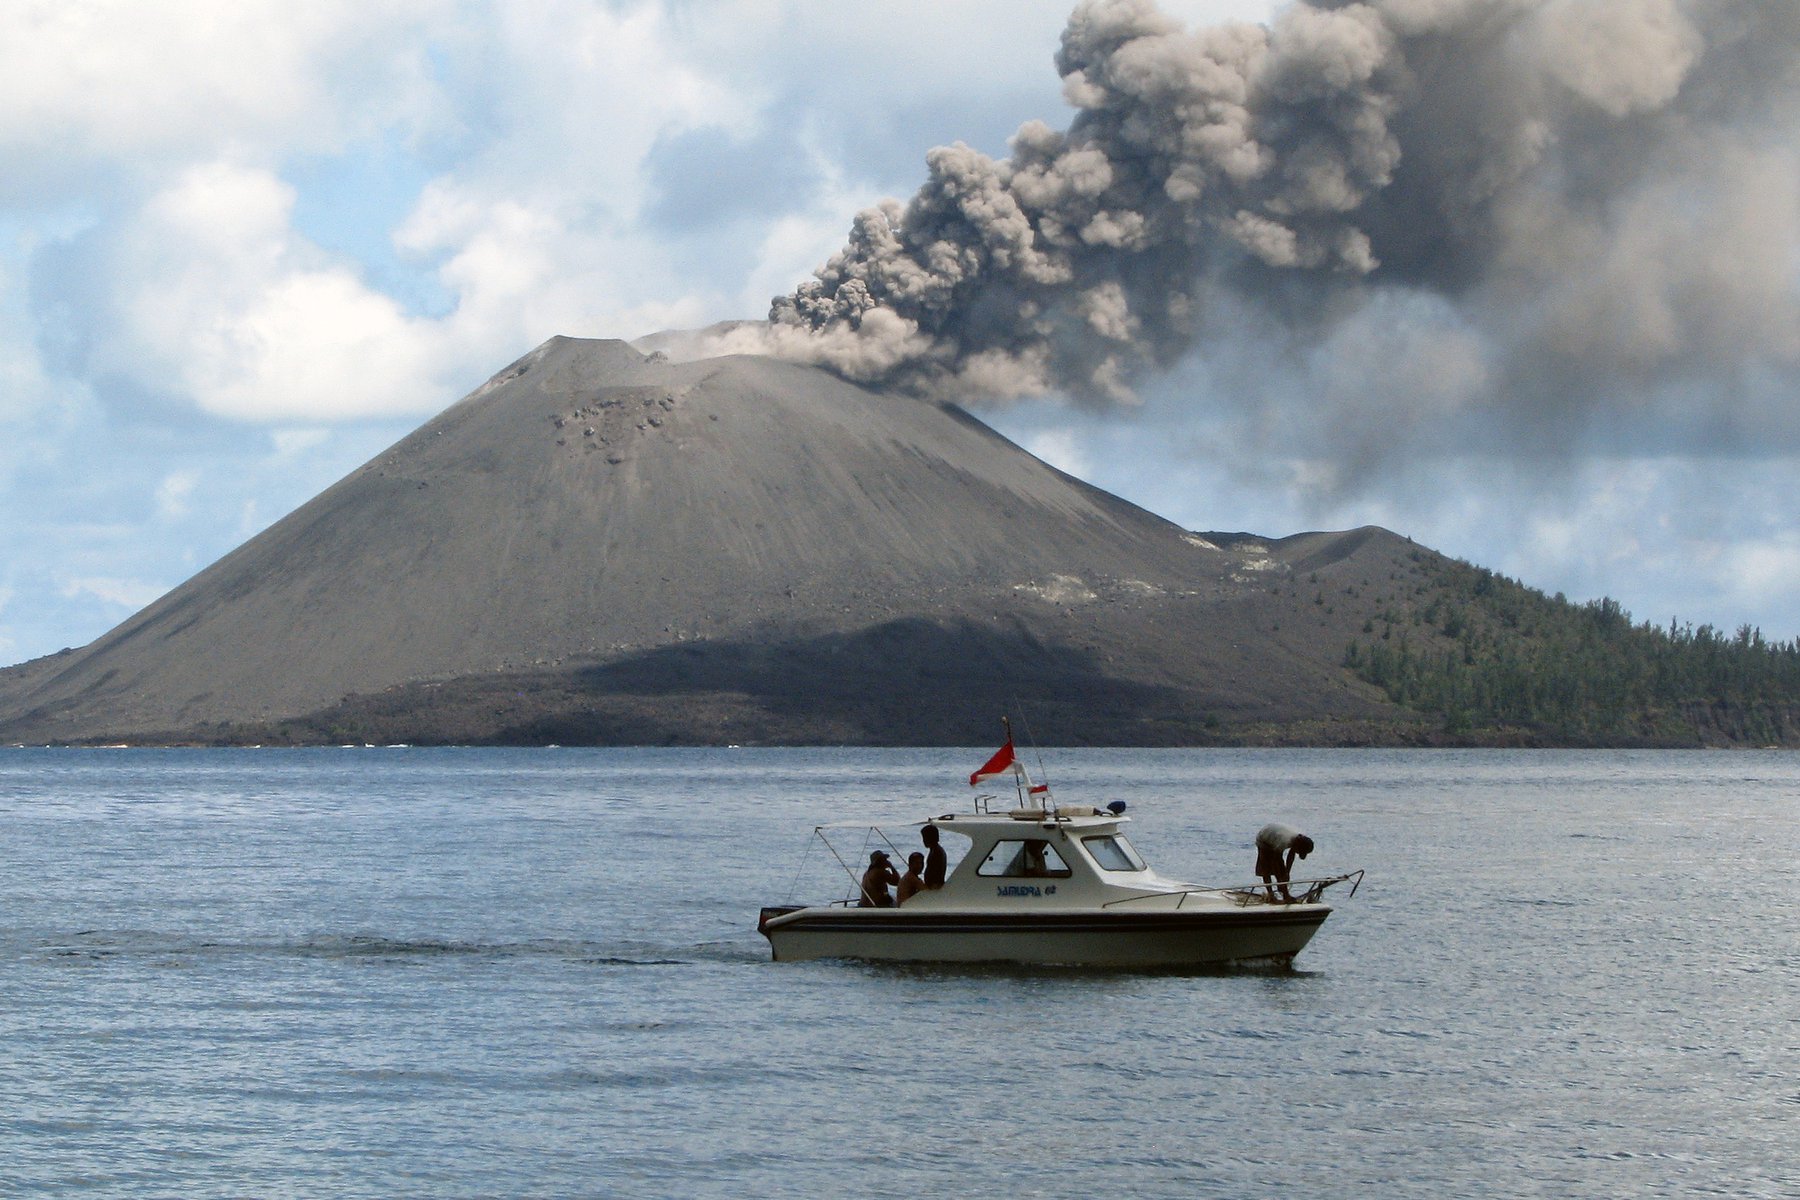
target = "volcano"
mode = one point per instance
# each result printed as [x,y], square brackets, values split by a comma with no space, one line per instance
[604,546]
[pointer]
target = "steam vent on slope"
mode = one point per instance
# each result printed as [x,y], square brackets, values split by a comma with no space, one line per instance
[599,546]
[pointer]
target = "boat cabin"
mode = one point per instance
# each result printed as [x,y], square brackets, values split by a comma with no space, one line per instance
[1060,857]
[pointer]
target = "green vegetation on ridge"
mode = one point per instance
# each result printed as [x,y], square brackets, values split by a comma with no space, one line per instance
[1487,653]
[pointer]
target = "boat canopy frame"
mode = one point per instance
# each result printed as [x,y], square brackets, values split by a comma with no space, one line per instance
[871,830]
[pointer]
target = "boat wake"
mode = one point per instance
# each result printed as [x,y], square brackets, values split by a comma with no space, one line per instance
[99,945]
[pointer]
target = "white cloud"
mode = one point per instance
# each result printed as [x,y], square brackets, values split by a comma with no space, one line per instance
[796,243]
[537,232]
[250,519]
[1062,449]
[174,492]
[289,443]
[1765,568]
[127,594]
[953,49]
[215,293]
[38,410]
[118,85]
[207,292]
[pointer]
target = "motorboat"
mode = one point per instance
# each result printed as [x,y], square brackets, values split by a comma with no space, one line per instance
[1043,883]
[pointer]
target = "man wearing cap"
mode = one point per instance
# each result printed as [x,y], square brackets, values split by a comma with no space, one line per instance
[877,880]
[1276,848]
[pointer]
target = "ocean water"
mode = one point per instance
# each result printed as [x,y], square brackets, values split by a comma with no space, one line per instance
[383,972]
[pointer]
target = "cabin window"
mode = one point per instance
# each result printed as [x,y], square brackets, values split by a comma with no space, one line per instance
[1030,858]
[1113,853]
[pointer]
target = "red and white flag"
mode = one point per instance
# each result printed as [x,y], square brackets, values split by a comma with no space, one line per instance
[1004,762]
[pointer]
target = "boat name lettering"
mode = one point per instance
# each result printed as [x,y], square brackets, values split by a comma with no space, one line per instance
[1023,889]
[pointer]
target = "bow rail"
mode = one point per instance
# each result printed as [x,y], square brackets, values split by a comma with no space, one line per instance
[1244,895]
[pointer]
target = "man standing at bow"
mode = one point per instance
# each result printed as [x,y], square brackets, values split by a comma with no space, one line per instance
[1276,848]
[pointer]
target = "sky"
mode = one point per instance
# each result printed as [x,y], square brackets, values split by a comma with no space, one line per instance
[243,248]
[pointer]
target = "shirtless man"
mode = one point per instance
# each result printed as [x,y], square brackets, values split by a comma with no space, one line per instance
[1276,848]
[934,858]
[877,880]
[913,882]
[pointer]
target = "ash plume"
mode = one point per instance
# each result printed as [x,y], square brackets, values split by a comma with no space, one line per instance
[1582,212]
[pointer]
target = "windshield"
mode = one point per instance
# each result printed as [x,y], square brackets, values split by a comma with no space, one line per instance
[1032,858]
[1113,853]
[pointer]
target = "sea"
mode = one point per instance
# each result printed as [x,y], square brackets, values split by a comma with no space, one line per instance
[386,971]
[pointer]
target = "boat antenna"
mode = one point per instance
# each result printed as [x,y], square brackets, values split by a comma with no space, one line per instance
[1018,767]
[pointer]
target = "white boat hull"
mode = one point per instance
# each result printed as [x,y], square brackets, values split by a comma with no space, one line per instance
[1161,938]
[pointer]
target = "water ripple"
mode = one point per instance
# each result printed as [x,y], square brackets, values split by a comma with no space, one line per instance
[481,973]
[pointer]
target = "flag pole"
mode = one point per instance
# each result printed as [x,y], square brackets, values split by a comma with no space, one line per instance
[1018,767]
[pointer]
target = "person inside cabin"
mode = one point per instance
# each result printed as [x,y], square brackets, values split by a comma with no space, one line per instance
[934,858]
[913,882]
[1031,860]
[1276,848]
[877,880]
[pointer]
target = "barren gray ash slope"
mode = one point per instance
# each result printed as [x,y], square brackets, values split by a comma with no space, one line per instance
[603,546]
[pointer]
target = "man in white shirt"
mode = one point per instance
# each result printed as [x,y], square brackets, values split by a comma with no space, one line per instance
[1276,848]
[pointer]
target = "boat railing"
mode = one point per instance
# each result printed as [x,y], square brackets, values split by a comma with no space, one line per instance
[1244,895]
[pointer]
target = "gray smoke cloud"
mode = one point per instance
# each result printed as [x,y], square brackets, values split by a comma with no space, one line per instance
[1405,214]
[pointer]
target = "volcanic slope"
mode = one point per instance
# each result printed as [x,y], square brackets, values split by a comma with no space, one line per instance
[600,545]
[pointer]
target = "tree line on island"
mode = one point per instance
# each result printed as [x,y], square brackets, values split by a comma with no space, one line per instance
[1489,655]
